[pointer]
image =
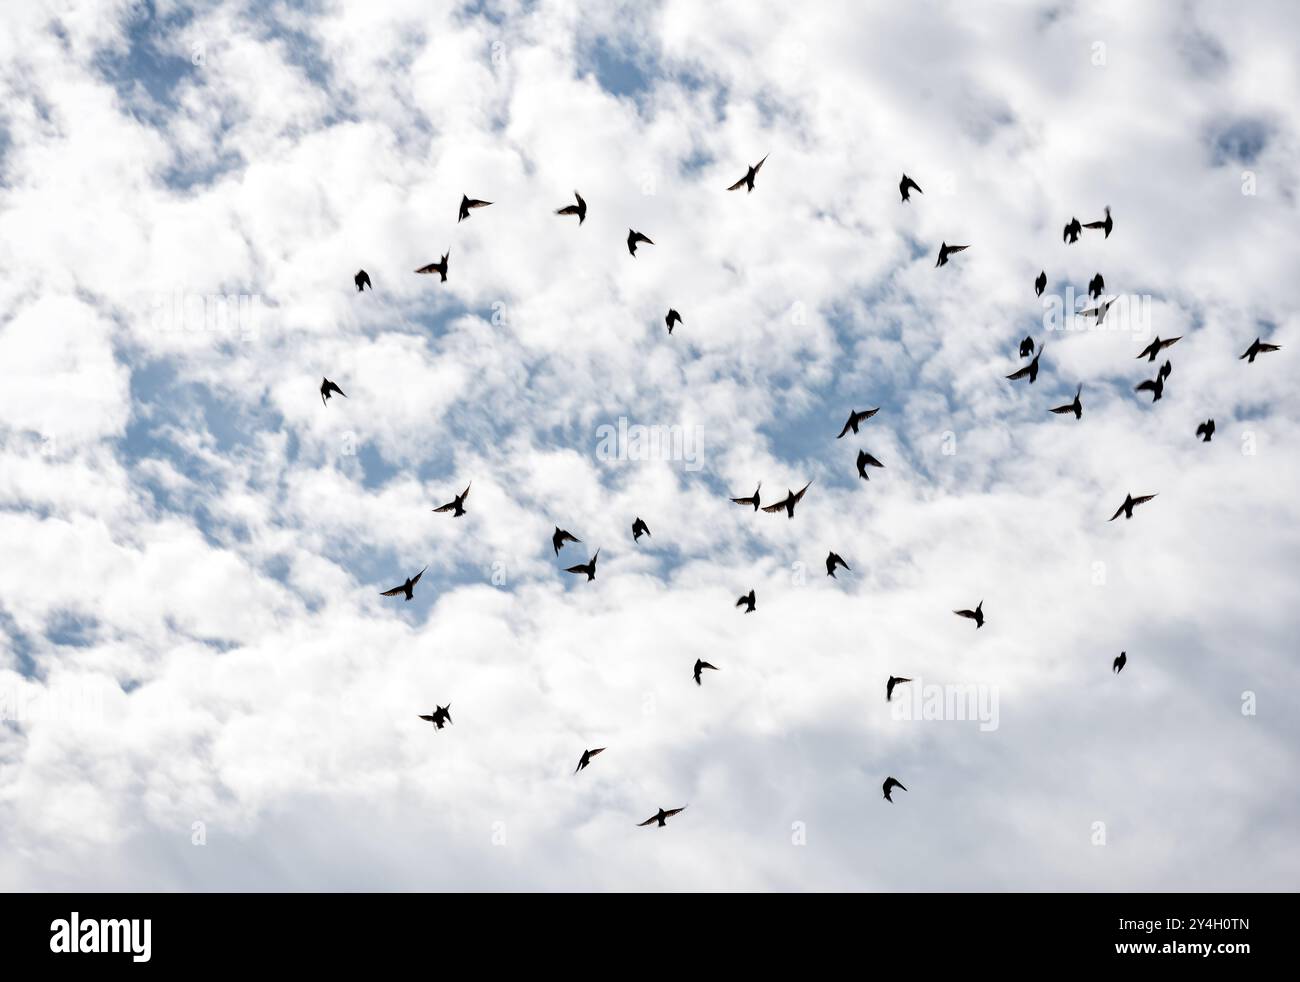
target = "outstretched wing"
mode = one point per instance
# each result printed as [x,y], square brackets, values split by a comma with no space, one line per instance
[649,821]
[580,568]
[779,506]
[1143,499]
[847,426]
[674,811]
[416,578]
[1020,373]
[396,591]
[568,210]
[449,506]
[1119,511]
[739,184]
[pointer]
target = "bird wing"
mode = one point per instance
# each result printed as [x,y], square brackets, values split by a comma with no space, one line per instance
[1144,386]
[1118,512]
[395,591]
[799,496]
[1020,373]
[449,506]
[593,753]
[568,210]
[868,459]
[1143,499]
[429,718]
[431,268]
[416,579]
[705,664]
[649,821]
[1270,347]
[779,506]
[847,426]
[674,811]
[965,613]
[580,568]
[739,184]
[759,166]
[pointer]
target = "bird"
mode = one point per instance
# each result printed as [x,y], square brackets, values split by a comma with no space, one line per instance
[672,318]
[633,238]
[560,537]
[1075,407]
[1106,223]
[1206,429]
[326,387]
[945,250]
[835,559]
[977,615]
[588,567]
[787,504]
[748,180]
[752,499]
[906,185]
[1096,286]
[856,419]
[1026,347]
[889,785]
[362,280]
[1156,346]
[1258,347]
[747,601]
[585,759]
[1155,386]
[1031,370]
[1098,311]
[407,588]
[1040,284]
[441,716]
[701,666]
[662,817]
[639,528]
[865,460]
[1166,369]
[1118,664]
[440,267]
[466,203]
[1130,503]
[457,504]
[580,209]
[889,688]
[1072,231]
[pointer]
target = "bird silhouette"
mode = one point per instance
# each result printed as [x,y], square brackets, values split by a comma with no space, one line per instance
[1026,347]
[327,387]
[1156,346]
[639,528]
[440,717]
[633,238]
[747,601]
[1096,286]
[889,785]
[1075,407]
[1099,311]
[945,250]
[833,560]
[1105,223]
[1030,370]
[580,209]
[1206,430]
[977,615]
[407,588]
[1118,664]
[747,181]
[585,759]
[1072,231]
[440,267]
[662,817]
[1166,369]
[752,499]
[856,419]
[865,460]
[588,567]
[787,504]
[1258,347]
[672,318]
[457,504]
[907,185]
[560,536]
[701,666]
[1130,503]
[1040,284]
[889,686]
[1155,386]
[362,280]
[466,203]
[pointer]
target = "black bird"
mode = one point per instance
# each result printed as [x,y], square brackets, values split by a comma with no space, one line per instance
[662,817]
[1118,664]
[639,528]
[457,505]
[1156,346]
[856,419]
[672,318]
[1106,223]
[1031,370]
[787,504]
[560,537]
[1206,429]
[889,785]
[589,567]
[1096,286]
[407,588]
[977,615]
[945,250]
[1130,503]
[326,387]
[748,180]
[835,559]
[747,601]
[580,209]
[906,185]
[440,267]
[752,499]
[1166,369]
[362,280]
[1072,231]
[1258,347]
[1040,284]
[1075,407]
[889,689]
[865,460]
[1026,347]
[633,238]
[466,203]
[701,666]
[1098,311]
[441,716]
[1155,386]
[585,759]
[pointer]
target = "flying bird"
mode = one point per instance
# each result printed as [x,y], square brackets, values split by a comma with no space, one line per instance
[1206,429]
[1098,311]
[1075,407]
[752,499]
[1026,347]
[701,666]
[1258,347]
[407,588]
[580,209]
[1096,286]
[1118,664]
[585,759]
[326,387]
[889,785]
[662,817]
[588,567]
[1155,386]
[945,250]
[907,185]
[889,689]
[633,238]
[440,267]
[865,460]
[1106,223]
[362,280]
[977,615]
[787,504]
[639,528]
[457,504]
[1031,370]
[672,318]
[833,560]
[441,716]
[1040,284]
[747,601]
[748,180]
[1156,346]
[856,419]
[466,203]
[1130,503]
[560,537]
[1072,231]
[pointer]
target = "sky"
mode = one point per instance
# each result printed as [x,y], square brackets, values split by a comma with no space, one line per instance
[200,686]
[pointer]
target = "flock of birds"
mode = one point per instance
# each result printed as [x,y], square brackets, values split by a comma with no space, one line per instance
[441,715]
